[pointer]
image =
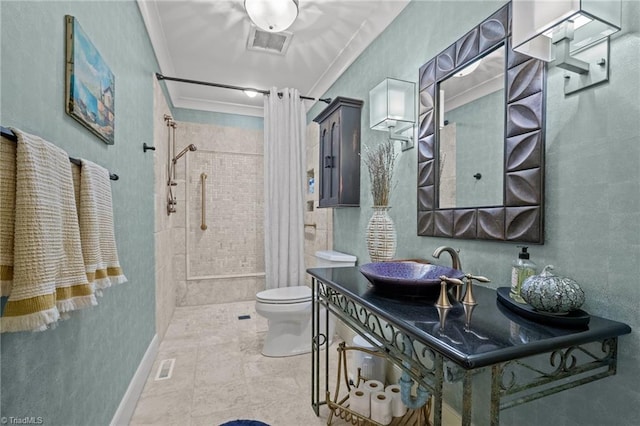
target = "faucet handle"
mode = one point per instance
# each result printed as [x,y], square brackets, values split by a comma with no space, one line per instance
[443,300]
[458,284]
[450,280]
[468,295]
[479,278]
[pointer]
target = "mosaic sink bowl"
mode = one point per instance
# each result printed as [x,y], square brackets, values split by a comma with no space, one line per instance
[407,278]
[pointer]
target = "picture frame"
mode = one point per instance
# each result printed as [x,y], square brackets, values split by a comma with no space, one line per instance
[90,84]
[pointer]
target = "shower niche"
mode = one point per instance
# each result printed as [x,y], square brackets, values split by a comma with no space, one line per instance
[338,177]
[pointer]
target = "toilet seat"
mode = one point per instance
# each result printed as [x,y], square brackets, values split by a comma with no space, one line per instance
[285,295]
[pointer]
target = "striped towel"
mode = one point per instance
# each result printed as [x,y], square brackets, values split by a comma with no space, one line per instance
[48,270]
[95,213]
[7,216]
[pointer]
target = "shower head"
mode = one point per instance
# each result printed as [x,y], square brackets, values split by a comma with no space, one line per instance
[190,147]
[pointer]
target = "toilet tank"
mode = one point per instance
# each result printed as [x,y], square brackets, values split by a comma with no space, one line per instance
[334,259]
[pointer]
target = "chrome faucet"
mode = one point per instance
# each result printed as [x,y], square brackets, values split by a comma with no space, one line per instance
[455,258]
[455,262]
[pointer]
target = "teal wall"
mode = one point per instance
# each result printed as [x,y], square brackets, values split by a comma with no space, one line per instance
[479,151]
[218,118]
[592,217]
[77,373]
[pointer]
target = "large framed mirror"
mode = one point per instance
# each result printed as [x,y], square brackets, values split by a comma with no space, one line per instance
[481,139]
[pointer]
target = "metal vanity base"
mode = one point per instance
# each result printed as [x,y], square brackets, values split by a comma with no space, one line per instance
[519,361]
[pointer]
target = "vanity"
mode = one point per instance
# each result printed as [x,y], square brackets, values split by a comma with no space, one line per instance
[482,363]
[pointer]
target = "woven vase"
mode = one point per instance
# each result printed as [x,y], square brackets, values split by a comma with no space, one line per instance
[381,235]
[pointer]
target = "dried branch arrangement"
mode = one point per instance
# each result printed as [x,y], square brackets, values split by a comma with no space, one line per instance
[380,162]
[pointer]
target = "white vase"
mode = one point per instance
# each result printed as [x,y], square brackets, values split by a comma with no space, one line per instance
[381,235]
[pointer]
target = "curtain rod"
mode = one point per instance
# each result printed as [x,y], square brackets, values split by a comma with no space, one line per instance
[8,133]
[228,86]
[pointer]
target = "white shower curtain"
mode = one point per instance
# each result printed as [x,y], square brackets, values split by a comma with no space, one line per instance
[284,171]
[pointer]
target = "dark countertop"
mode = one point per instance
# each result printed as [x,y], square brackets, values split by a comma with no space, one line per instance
[497,334]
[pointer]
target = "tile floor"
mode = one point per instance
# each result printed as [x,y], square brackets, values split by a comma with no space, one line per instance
[220,375]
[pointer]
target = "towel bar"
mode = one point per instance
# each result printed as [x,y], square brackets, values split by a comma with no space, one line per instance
[7,133]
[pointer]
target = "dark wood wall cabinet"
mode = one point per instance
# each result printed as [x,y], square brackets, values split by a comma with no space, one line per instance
[339,171]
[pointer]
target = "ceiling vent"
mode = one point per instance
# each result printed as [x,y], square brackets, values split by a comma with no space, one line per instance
[263,41]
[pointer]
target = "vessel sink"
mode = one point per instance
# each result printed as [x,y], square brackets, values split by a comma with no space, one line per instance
[408,278]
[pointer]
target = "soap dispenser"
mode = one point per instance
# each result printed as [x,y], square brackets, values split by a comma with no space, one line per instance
[522,268]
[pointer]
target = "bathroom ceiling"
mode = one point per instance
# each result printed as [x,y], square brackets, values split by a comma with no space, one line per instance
[207,41]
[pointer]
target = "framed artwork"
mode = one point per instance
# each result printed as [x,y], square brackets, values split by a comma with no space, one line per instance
[90,84]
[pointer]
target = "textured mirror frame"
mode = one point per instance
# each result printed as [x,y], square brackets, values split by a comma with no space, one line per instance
[521,216]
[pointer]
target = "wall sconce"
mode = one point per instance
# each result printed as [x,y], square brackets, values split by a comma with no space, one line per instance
[572,33]
[392,108]
[273,16]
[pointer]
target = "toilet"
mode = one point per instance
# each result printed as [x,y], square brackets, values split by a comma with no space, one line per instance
[288,310]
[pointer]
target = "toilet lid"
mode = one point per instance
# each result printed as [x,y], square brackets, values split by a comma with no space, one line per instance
[285,295]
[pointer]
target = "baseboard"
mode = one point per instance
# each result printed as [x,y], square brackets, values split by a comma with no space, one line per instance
[130,399]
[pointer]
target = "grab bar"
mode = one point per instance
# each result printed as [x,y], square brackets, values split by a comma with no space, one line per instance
[203,181]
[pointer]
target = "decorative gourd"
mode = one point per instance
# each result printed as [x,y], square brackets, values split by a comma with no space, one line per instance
[550,293]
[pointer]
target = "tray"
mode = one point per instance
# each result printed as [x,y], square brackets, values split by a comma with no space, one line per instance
[573,319]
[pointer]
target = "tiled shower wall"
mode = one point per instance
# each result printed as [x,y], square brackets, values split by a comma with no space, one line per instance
[225,262]
[233,239]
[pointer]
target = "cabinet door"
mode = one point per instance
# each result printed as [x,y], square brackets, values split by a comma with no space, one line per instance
[329,161]
[335,159]
[324,166]
[339,168]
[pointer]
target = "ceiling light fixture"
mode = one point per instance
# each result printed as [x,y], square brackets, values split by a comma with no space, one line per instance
[272,15]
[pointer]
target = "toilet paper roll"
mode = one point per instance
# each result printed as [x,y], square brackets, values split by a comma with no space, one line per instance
[360,401]
[381,407]
[398,409]
[373,386]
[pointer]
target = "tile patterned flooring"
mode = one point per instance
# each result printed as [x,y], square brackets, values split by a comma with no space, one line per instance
[220,375]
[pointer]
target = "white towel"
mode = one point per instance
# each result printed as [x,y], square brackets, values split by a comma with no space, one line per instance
[95,214]
[48,270]
[7,215]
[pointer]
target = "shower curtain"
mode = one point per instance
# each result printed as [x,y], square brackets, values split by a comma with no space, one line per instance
[284,163]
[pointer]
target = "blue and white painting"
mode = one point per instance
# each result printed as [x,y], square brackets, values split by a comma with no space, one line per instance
[90,84]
